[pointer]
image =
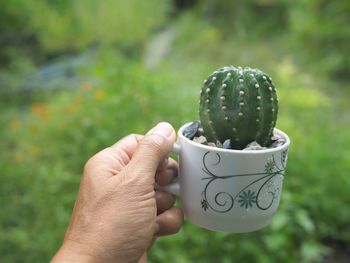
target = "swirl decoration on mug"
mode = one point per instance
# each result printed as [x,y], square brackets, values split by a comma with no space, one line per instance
[261,192]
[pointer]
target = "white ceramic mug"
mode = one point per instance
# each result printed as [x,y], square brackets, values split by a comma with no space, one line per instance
[229,190]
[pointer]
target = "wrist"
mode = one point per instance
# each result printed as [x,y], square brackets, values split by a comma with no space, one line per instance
[72,251]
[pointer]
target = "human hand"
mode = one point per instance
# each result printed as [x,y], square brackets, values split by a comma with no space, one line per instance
[118,213]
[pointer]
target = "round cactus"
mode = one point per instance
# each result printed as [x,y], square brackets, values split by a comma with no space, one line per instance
[239,104]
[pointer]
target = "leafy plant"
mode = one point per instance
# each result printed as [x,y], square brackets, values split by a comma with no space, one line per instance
[320,27]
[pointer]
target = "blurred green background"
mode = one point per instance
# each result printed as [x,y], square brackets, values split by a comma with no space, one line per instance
[77,75]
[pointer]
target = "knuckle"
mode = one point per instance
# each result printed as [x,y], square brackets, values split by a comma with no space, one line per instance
[154,142]
[88,165]
[92,162]
[135,136]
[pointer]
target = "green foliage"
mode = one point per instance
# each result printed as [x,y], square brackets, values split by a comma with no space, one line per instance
[58,23]
[66,26]
[316,29]
[13,28]
[12,16]
[240,105]
[46,136]
[320,28]
[249,19]
[64,130]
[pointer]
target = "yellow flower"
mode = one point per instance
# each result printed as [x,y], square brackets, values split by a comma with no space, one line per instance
[33,150]
[99,95]
[33,129]
[15,124]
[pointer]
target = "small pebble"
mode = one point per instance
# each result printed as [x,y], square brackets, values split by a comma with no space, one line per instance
[211,144]
[253,146]
[191,130]
[275,137]
[200,131]
[227,144]
[195,133]
[218,144]
[200,139]
[277,143]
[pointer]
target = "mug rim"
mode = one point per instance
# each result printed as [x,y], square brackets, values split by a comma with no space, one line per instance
[207,147]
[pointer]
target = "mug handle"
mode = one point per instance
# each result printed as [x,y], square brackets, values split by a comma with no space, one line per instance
[174,187]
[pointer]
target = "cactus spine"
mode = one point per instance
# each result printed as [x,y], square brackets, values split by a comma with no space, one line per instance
[239,104]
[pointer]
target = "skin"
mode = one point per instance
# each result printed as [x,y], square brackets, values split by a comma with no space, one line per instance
[118,214]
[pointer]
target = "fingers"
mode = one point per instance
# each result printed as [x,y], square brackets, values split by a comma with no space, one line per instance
[169,219]
[151,150]
[166,174]
[111,160]
[164,201]
[163,164]
[169,222]
[126,146]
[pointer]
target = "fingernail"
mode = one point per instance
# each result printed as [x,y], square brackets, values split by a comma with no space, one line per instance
[163,128]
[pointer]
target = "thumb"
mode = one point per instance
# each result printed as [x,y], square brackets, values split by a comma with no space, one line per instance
[151,150]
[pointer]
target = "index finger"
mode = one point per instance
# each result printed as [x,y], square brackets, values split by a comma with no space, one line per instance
[124,149]
[111,160]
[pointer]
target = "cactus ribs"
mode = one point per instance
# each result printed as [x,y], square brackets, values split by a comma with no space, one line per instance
[239,104]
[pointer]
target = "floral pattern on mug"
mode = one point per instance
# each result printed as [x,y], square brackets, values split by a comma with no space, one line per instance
[260,193]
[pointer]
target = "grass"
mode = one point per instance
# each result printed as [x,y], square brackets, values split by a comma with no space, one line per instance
[46,140]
